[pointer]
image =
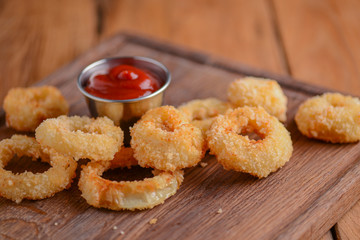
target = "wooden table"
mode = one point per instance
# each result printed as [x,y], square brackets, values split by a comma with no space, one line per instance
[312,41]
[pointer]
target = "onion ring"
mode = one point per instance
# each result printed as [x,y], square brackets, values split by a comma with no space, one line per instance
[26,108]
[17,187]
[254,92]
[201,113]
[331,117]
[81,137]
[256,157]
[164,139]
[126,195]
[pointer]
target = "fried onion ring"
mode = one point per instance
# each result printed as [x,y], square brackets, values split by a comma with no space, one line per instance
[26,108]
[254,92]
[201,113]
[81,137]
[237,152]
[28,185]
[126,195]
[164,139]
[331,117]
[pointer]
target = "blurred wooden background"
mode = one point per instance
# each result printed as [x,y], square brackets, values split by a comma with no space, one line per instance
[313,41]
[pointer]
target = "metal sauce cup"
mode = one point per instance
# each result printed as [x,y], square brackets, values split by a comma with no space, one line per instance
[124,113]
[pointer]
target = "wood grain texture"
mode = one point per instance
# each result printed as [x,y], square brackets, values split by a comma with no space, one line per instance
[348,227]
[320,42]
[57,32]
[302,199]
[241,30]
[38,37]
[327,236]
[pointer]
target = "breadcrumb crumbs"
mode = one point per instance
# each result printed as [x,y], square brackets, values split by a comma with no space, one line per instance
[122,232]
[56,224]
[203,164]
[153,221]
[219,211]
[115,227]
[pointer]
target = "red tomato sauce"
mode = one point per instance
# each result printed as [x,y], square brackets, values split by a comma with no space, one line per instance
[122,82]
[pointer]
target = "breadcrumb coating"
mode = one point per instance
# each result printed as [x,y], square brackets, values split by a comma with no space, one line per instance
[254,92]
[237,152]
[81,137]
[331,117]
[153,221]
[202,112]
[26,108]
[28,185]
[164,139]
[126,195]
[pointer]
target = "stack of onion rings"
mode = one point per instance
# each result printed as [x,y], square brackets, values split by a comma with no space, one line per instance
[331,117]
[28,185]
[254,92]
[237,152]
[26,108]
[81,137]
[164,139]
[126,195]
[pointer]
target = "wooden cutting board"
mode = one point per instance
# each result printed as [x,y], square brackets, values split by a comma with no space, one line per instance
[301,200]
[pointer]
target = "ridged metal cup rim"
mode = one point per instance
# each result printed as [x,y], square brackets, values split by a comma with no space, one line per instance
[138,58]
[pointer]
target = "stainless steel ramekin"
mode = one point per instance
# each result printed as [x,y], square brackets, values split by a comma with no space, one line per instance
[124,113]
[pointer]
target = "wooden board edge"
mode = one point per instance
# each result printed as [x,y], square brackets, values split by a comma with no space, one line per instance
[122,38]
[340,197]
[2,117]
[225,64]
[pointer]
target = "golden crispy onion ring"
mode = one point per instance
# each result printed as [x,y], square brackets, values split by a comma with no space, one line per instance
[202,112]
[26,108]
[331,117]
[254,92]
[81,137]
[30,185]
[237,152]
[126,195]
[164,139]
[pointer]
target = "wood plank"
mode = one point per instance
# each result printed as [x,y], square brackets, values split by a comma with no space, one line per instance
[298,200]
[225,64]
[240,30]
[348,227]
[348,12]
[38,37]
[332,24]
[338,199]
[321,42]
[327,236]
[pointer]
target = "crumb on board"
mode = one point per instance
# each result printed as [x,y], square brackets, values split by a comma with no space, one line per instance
[122,232]
[219,211]
[203,164]
[114,227]
[56,223]
[153,221]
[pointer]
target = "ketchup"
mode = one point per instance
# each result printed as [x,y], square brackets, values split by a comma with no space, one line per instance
[122,82]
